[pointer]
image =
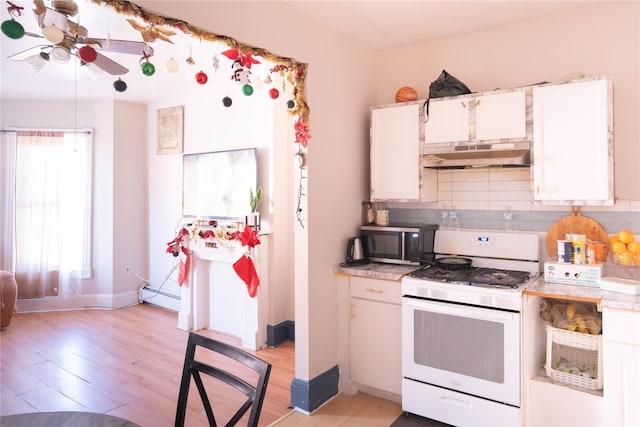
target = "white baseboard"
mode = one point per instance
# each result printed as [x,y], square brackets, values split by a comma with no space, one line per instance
[160,298]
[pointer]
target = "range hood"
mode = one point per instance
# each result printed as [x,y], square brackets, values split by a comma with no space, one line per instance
[463,155]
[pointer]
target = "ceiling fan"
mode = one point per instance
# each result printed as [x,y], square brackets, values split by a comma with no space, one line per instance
[67,37]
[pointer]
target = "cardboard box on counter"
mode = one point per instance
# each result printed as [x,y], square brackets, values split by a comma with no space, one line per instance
[572,274]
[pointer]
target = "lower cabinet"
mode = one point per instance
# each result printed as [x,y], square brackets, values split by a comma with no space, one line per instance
[621,366]
[376,333]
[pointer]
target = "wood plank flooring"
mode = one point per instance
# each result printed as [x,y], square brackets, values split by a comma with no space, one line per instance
[124,362]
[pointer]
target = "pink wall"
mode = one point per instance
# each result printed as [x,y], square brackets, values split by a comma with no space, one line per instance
[600,39]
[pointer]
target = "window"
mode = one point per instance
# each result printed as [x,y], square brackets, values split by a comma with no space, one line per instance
[47,183]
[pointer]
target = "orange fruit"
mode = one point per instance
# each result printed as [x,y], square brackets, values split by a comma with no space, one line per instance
[634,247]
[618,248]
[636,260]
[626,236]
[613,239]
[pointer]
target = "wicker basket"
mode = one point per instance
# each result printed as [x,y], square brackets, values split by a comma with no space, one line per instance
[584,351]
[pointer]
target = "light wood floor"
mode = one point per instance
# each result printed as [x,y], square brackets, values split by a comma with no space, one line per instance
[128,363]
[123,362]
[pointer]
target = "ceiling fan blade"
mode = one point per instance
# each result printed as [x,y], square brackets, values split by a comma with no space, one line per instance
[110,66]
[28,52]
[121,46]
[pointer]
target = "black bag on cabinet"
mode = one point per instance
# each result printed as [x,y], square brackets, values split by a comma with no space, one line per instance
[444,85]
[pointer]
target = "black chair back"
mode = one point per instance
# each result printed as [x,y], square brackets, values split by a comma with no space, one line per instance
[194,368]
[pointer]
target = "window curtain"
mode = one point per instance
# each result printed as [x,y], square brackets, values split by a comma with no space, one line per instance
[47,200]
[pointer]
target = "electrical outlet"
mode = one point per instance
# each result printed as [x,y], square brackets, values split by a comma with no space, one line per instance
[127,270]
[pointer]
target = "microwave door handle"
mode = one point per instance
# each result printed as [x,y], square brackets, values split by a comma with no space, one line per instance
[402,245]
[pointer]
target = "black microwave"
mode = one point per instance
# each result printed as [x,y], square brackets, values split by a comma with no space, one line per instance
[398,244]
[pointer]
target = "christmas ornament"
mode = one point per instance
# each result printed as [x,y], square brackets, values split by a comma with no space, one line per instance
[302,131]
[12,29]
[247,89]
[290,104]
[240,74]
[190,60]
[216,62]
[172,65]
[274,93]
[201,77]
[87,53]
[258,84]
[245,59]
[148,69]
[226,101]
[120,85]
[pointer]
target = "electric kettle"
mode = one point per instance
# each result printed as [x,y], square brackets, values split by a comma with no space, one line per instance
[355,253]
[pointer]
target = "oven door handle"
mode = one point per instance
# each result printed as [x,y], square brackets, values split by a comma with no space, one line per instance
[460,310]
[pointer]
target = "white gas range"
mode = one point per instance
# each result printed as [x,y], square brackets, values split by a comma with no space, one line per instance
[461,327]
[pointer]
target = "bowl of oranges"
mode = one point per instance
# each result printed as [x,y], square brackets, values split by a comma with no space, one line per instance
[625,249]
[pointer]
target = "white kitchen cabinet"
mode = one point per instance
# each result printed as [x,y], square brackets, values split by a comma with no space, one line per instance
[448,120]
[473,118]
[573,143]
[375,334]
[621,332]
[395,152]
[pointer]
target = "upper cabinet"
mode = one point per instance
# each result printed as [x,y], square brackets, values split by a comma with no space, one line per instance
[573,143]
[395,152]
[481,117]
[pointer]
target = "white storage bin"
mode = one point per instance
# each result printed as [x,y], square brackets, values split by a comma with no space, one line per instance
[583,351]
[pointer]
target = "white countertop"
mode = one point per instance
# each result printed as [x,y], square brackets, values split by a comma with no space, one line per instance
[377,270]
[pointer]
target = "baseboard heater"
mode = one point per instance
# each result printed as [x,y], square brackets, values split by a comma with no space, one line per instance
[160,298]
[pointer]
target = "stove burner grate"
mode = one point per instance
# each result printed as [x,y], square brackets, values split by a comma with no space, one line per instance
[474,276]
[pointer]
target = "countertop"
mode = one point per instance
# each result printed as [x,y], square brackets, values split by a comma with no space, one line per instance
[539,287]
[377,270]
[584,293]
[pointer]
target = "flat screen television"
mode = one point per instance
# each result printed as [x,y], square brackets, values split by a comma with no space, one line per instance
[217,185]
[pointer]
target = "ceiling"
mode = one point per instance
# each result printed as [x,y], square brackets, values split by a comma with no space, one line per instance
[378,24]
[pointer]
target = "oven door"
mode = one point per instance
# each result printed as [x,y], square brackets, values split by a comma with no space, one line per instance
[464,348]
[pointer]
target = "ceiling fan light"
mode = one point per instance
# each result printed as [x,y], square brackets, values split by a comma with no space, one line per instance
[53,34]
[60,54]
[93,71]
[35,62]
[87,54]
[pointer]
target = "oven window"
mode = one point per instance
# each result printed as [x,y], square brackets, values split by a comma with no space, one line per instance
[461,345]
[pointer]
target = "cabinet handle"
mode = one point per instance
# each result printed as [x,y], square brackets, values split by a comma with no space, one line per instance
[353,311]
[375,291]
[463,104]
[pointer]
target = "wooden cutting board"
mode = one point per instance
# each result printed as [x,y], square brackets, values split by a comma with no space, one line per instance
[574,224]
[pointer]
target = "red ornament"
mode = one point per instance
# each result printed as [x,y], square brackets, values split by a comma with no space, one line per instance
[273,93]
[87,54]
[201,77]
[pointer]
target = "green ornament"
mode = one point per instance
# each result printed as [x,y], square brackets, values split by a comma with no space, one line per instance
[148,69]
[12,29]
[247,89]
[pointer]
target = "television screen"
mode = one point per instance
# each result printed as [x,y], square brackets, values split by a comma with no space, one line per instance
[217,185]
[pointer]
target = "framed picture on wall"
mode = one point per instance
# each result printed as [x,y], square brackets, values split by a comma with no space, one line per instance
[170,130]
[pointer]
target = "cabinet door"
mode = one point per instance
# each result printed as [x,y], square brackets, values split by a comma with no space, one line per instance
[573,143]
[395,153]
[448,120]
[501,115]
[621,353]
[622,383]
[376,344]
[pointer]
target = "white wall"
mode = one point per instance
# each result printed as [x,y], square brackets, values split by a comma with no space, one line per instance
[339,90]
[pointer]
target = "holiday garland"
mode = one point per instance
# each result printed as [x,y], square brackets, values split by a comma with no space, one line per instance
[296,71]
